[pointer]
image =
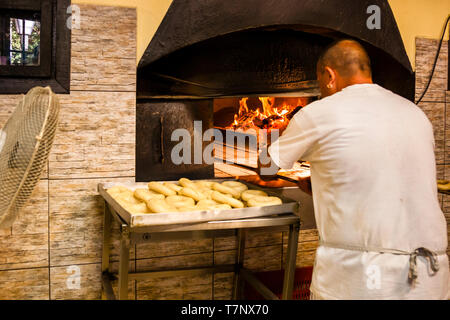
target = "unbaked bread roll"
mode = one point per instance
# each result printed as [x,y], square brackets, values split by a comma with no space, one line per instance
[125,198]
[160,206]
[206,204]
[203,184]
[192,193]
[207,193]
[226,190]
[259,201]
[137,208]
[186,183]
[180,202]
[248,194]
[188,209]
[160,188]
[222,206]
[117,189]
[239,186]
[145,194]
[173,186]
[222,198]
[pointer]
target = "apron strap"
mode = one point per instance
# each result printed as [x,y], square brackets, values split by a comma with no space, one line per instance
[412,273]
[423,252]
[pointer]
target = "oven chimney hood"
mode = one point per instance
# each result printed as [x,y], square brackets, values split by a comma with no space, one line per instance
[216,48]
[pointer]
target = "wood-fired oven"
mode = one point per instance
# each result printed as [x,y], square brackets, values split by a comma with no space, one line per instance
[238,65]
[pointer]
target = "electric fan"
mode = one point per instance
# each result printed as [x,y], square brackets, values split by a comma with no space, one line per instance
[25,143]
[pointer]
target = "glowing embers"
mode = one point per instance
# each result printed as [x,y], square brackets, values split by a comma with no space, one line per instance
[274,114]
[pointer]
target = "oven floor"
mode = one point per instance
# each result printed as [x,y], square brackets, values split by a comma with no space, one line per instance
[223,170]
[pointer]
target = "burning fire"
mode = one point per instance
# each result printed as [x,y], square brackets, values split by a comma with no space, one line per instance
[269,118]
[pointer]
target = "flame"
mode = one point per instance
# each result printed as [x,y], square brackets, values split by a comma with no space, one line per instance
[269,118]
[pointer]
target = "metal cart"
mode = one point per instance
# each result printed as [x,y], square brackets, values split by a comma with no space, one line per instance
[134,231]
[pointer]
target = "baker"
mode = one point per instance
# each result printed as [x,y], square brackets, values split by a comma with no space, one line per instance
[373,180]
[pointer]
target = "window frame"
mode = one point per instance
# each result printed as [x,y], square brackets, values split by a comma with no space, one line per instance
[54,68]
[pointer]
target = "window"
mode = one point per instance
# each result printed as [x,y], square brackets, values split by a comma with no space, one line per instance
[34,45]
[21,41]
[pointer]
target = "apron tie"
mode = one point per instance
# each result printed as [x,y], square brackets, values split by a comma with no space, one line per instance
[422,252]
[412,273]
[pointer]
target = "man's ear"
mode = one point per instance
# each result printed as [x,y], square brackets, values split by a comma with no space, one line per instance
[331,75]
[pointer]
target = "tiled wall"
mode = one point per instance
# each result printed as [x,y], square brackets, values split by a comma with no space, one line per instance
[61,226]
[436,105]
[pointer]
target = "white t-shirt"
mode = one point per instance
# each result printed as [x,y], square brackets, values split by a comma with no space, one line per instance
[373,176]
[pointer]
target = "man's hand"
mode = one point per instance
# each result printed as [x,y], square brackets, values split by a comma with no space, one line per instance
[305,185]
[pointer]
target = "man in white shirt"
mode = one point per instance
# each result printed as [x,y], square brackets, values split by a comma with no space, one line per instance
[373,176]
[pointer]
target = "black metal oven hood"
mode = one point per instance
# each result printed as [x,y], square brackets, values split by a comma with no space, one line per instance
[213,48]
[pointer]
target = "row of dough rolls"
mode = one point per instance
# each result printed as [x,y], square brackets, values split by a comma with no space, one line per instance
[187,195]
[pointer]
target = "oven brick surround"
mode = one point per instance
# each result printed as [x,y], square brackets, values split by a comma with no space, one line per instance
[61,226]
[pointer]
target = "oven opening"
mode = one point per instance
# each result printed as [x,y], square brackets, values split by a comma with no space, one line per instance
[246,122]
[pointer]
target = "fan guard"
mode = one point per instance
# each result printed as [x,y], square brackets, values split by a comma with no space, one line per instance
[25,143]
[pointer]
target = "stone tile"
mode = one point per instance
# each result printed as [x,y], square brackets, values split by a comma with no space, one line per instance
[223,286]
[256,259]
[33,217]
[305,255]
[173,248]
[8,104]
[25,244]
[307,244]
[436,114]
[198,287]
[255,238]
[95,136]
[304,235]
[26,284]
[23,251]
[76,221]
[107,35]
[83,282]
[425,54]
[440,175]
[446,198]
[80,282]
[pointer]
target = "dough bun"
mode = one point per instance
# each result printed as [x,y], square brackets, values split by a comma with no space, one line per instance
[260,201]
[161,188]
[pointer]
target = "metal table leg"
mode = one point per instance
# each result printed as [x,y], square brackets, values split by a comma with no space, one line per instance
[124,262]
[289,271]
[106,238]
[238,282]
[107,292]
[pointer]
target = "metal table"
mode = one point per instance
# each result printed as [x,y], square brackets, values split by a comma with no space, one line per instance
[146,234]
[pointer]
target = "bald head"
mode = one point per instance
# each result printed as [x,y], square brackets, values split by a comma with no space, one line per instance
[343,63]
[347,57]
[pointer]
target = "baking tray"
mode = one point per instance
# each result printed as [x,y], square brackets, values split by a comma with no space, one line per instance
[152,219]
